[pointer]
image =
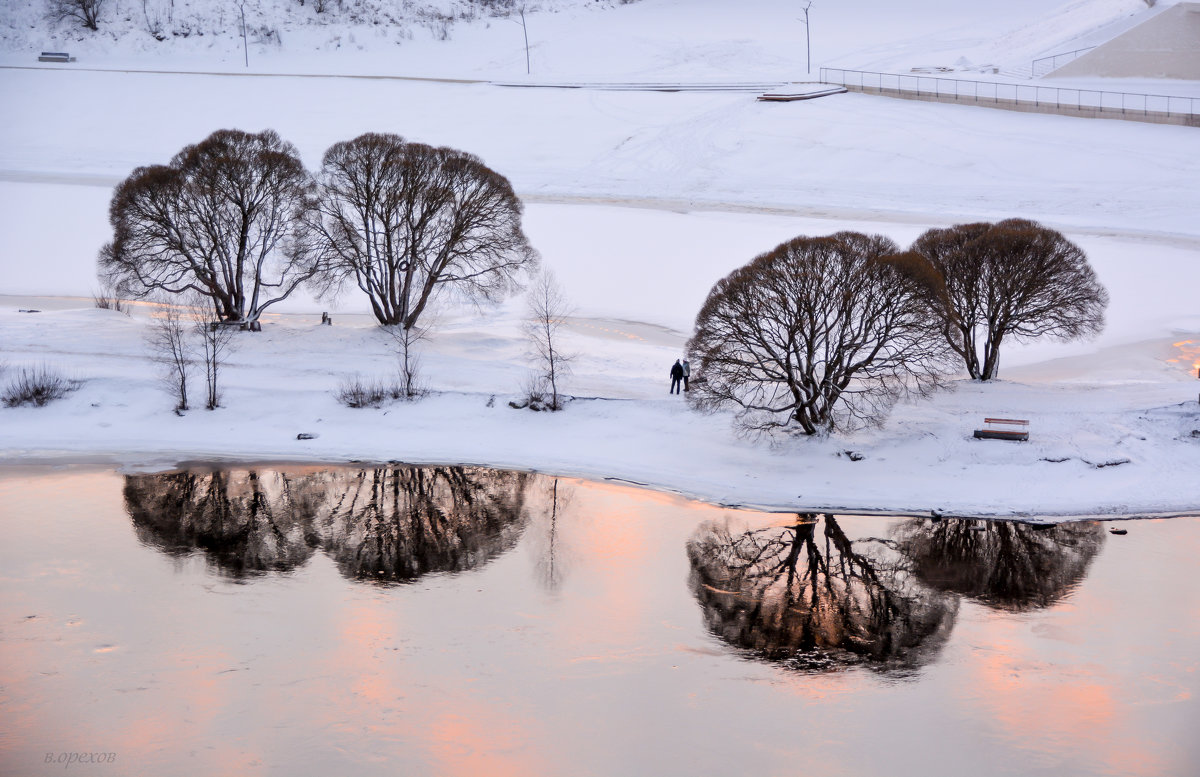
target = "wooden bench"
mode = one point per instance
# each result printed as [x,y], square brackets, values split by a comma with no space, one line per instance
[1009,429]
[55,56]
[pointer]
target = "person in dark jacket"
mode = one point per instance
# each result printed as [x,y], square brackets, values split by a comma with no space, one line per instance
[676,377]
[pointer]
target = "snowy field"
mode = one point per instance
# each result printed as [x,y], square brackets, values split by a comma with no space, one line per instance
[639,202]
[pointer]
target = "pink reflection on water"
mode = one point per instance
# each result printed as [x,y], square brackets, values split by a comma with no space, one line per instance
[473,736]
[604,666]
[1064,716]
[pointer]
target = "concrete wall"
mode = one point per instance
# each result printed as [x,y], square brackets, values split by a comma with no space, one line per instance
[1167,45]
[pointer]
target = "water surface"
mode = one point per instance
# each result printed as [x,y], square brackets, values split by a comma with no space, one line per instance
[441,621]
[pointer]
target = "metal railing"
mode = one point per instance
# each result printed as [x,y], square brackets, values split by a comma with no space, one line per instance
[1053,60]
[983,92]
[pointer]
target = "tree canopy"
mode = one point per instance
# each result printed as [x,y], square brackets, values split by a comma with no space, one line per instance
[405,220]
[1014,279]
[816,333]
[224,219]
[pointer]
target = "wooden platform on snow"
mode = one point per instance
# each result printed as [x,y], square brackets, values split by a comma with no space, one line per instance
[793,92]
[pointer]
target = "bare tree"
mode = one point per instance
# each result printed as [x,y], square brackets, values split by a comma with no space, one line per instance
[169,342]
[409,386]
[223,219]
[216,340]
[406,220]
[817,333]
[87,12]
[548,311]
[1011,280]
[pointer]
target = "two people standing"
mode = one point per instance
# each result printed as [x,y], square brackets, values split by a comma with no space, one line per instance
[680,372]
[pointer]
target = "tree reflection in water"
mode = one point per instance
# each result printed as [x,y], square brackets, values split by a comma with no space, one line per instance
[1006,565]
[386,524]
[809,596]
[398,523]
[246,522]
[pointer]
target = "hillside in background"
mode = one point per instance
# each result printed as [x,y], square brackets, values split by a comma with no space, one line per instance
[603,39]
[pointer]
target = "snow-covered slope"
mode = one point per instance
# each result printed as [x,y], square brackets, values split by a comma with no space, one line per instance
[606,40]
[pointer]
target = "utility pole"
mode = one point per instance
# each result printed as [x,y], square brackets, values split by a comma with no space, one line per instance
[807,34]
[525,30]
[246,48]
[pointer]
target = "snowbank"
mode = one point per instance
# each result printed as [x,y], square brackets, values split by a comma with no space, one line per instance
[1112,420]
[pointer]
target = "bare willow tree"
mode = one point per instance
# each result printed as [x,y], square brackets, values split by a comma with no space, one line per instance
[1014,279]
[224,219]
[548,311]
[405,221]
[86,12]
[818,333]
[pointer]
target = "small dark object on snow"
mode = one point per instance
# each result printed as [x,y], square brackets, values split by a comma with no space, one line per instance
[491,401]
[1056,459]
[854,455]
[1109,463]
[1196,432]
[55,56]
[30,310]
[326,319]
[306,436]
[534,404]
[1118,531]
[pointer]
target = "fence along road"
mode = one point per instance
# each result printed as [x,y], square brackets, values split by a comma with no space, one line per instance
[1031,98]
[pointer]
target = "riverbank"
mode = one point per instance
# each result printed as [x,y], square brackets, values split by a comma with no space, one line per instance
[1111,432]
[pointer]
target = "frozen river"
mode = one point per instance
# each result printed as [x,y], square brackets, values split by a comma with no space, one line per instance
[388,619]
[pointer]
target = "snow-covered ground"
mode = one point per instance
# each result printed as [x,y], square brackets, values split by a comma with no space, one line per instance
[638,202]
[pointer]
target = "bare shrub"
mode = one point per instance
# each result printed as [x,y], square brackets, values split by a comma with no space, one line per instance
[86,12]
[168,340]
[409,385]
[38,386]
[216,341]
[355,392]
[818,333]
[1011,280]
[108,299]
